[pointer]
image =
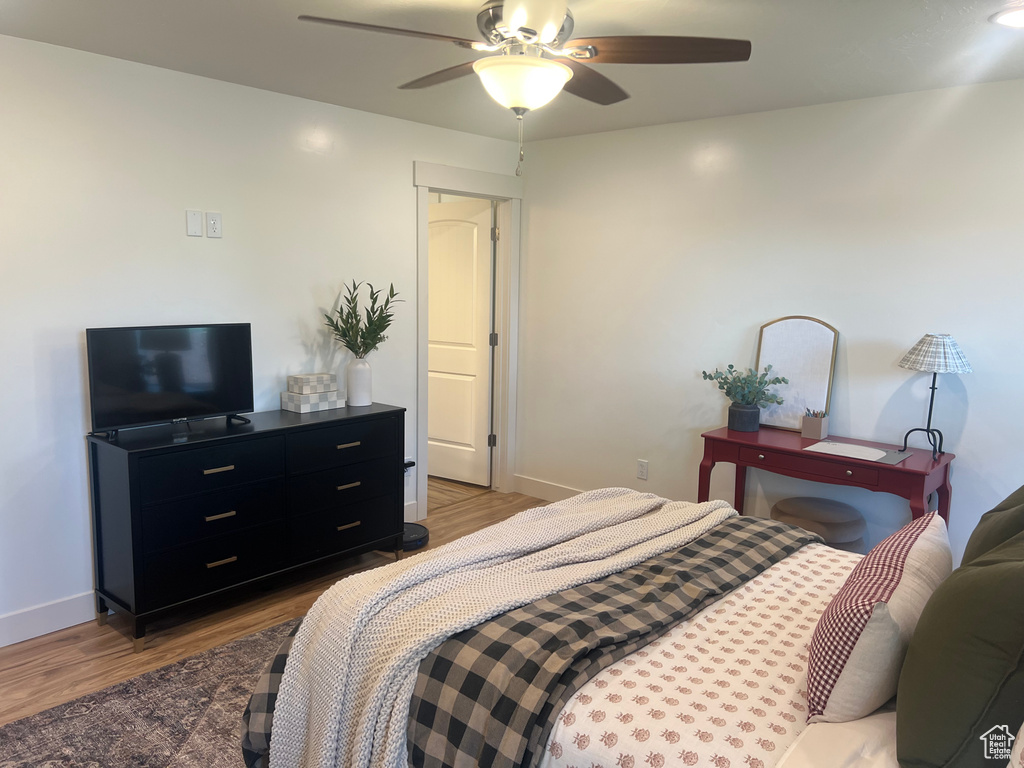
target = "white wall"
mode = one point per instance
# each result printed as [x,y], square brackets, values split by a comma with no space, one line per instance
[99,158]
[651,254]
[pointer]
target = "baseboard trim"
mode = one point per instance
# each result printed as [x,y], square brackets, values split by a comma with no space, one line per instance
[542,489]
[43,619]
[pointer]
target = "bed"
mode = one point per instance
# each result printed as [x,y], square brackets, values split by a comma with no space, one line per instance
[620,629]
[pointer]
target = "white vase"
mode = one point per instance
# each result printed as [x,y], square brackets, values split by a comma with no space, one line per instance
[358,382]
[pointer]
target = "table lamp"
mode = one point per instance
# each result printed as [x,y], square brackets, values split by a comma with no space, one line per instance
[935,353]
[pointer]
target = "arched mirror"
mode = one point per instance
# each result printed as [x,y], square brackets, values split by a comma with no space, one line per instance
[803,349]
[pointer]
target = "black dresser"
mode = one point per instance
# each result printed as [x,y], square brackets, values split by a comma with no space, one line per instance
[181,514]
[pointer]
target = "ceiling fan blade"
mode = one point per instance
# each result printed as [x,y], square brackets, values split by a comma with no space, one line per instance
[390,30]
[653,49]
[441,76]
[592,85]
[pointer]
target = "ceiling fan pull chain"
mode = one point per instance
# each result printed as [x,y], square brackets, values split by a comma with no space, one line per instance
[519,167]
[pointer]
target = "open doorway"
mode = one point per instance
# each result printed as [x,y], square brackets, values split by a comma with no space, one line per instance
[503,195]
[461,337]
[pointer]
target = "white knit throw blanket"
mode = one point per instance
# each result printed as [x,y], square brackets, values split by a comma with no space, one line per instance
[344,697]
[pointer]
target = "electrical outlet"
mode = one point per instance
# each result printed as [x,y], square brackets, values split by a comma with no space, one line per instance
[213,226]
[641,469]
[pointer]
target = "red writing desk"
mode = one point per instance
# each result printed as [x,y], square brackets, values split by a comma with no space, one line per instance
[781,451]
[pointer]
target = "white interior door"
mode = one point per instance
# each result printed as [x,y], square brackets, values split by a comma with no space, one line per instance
[459,352]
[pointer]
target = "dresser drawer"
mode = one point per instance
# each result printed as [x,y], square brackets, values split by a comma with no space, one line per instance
[331,488]
[317,449]
[182,473]
[222,561]
[778,462]
[199,517]
[335,530]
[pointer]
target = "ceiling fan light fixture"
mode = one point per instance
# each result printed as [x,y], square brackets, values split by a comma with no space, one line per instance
[1013,17]
[520,82]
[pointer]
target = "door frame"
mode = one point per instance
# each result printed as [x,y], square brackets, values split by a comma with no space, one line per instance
[507,191]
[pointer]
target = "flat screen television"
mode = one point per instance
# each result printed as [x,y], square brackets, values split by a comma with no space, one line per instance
[160,374]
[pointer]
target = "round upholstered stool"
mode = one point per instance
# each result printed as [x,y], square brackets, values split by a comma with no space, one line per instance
[839,524]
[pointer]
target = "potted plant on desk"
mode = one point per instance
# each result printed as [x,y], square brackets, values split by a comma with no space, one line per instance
[748,391]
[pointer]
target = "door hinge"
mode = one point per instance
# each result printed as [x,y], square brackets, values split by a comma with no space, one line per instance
[495,234]
[494,340]
[492,441]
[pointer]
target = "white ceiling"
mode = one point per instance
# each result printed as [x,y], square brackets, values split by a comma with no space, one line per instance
[804,52]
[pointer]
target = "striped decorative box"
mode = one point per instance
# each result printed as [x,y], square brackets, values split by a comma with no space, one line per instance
[312,383]
[316,401]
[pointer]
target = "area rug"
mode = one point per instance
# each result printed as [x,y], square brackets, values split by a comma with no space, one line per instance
[185,714]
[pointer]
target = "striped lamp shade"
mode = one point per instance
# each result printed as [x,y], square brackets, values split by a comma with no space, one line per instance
[936,353]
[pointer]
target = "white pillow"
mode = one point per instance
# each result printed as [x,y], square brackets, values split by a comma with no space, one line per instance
[861,640]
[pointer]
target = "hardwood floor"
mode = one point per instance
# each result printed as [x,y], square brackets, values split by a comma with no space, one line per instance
[443,493]
[50,670]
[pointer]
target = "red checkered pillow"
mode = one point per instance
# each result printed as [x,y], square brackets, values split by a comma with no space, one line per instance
[861,639]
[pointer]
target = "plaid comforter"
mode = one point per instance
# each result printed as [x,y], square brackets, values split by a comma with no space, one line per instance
[490,695]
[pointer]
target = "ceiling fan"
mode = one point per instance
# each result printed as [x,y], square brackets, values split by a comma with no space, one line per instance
[535,58]
[540,31]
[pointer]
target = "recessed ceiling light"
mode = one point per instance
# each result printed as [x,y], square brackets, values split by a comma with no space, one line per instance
[1013,17]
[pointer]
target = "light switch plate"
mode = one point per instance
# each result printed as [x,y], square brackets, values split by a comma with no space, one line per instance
[213,226]
[194,223]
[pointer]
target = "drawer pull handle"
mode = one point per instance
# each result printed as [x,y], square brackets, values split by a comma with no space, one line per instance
[343,446]
[225,561]
[849,472]
[760,456]
[345,487]
[216,470]
[221,516]
[350,525]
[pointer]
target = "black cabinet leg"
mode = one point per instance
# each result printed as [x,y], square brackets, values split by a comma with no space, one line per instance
[139,636]
[101,611]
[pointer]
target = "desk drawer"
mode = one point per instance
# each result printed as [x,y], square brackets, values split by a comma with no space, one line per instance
[316,449]
[202,470]
[803,466]
[335,530]
[185,520]
[206,566]
[344,485]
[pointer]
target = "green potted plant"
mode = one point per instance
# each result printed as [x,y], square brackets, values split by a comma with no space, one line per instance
[361,333]
[748,391]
